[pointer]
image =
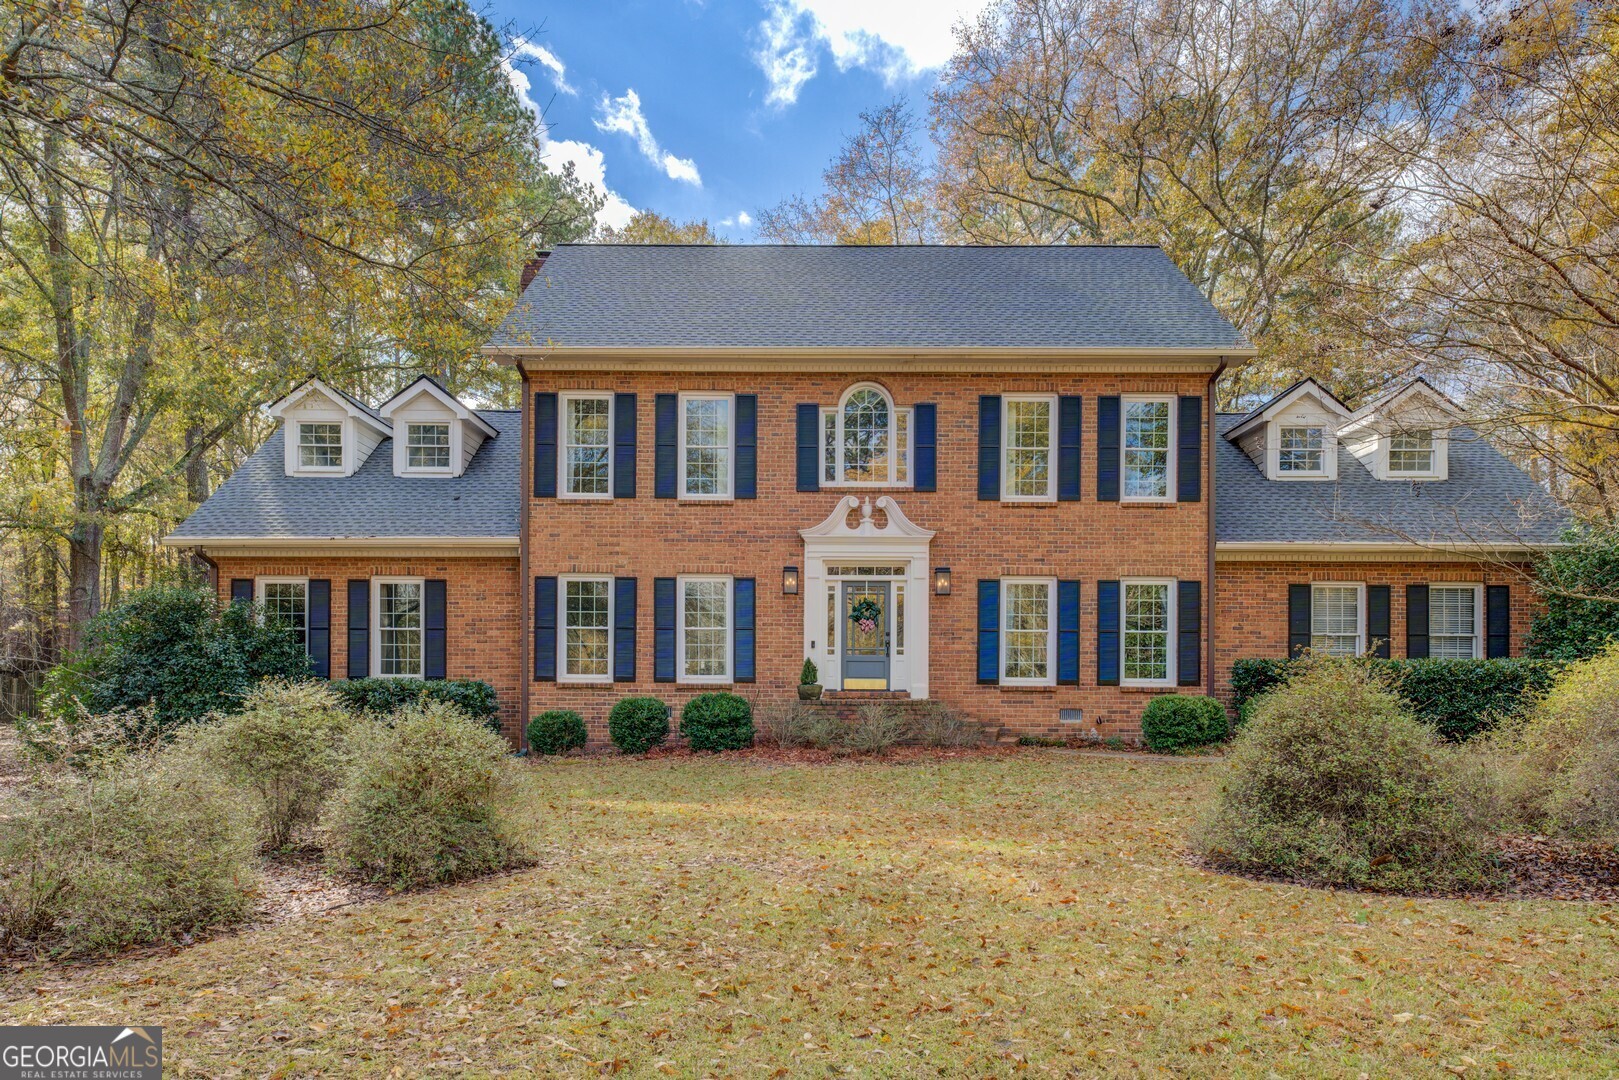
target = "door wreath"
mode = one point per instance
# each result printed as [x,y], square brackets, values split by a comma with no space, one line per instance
[864,613]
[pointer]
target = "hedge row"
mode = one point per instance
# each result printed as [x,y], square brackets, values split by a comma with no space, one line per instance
[1458,698]
[383,697]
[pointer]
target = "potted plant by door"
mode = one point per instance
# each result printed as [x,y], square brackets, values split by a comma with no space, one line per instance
[808,688]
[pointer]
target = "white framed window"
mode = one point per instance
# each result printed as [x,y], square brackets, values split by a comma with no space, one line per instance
[1147,448]
[427,446]
[1455,621]
[1028,631]
[1027,436]
[1301,450]
[396,637]
[866,441]
[1411,453]
[585,613]
[1338,618]
[586,461]
[285,601]
[320,446]
[704,630]
[707,446]
[1147,632]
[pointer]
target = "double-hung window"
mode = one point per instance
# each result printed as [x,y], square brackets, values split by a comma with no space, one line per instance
[398,634]
[320,445]
[1028,632]
[1148,625]
[1337,619]
[427,446]
[1454,621]
[1148,464]
[1026,461]
[587,446]
[705,629]
[1411,453]
[707,444]
[587,628]
[1301,450]
[286,603]
[865,441]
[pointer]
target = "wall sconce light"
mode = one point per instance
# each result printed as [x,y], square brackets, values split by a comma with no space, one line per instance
[941,581]
[789,581]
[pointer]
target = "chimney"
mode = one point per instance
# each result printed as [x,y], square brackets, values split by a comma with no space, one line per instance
[531,269]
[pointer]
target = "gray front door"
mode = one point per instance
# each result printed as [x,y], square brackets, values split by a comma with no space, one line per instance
[866,622]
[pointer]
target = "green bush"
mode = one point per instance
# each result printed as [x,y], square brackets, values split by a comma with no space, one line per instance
[1253,677]
[426,803]
[381,698]
[1568,752]
[637,724]
[556,731]
[1574,620]
[807,674]
[717,721]
[1334,782]
[938,725]
[1182,721]
[148,849]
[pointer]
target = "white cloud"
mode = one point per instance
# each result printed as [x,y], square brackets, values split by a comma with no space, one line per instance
[786,53]
[742,218]
[624,115]
[589,167]
[547,60]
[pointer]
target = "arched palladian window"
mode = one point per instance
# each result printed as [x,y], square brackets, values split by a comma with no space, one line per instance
[865,440]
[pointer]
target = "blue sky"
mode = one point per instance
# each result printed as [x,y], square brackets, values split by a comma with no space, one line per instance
[717,108]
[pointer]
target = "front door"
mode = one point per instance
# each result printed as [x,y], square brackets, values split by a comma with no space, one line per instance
[866,622]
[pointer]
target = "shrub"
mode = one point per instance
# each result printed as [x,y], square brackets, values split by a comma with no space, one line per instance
[425,803]
[1575,620]
[556,731]
[875,729]
[1253,677]
[637,724]
[149,849]
[935,724]
[1333,781]
[1182,721]
[807,675]
[382,698]
[717,721]
[286,747]
[1569,752]
[70,734]
[788,725]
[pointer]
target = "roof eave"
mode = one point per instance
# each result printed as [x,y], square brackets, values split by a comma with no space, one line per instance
[837,357]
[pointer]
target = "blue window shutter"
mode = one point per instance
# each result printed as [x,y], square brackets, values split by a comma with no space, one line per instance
[1189,466]
[359,627]
[925,447]
[624,629]
[809,447]
[241,590]
[1070,410]
[1377,619]
[663,629]
[742,633]
[1497,621]
[1107,448]
[545,629]
[1298,619]
[989,630]
[989,448]
[435,615]
[1416,622]
[747,446]
[1107,632]
[545,446]
[665,469]
[1068,632]
[1189,629]
[623,446]
[320,628]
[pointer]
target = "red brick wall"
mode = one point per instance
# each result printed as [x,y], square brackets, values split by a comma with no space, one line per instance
[483,620]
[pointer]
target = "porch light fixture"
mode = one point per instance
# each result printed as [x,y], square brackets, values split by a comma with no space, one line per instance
[941,581]
[789,581]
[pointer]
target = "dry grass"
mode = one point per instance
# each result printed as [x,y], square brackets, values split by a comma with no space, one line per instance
[968,916]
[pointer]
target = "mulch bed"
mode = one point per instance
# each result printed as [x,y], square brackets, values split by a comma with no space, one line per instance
[778,756]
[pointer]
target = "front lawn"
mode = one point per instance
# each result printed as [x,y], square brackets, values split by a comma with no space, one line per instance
[961,916]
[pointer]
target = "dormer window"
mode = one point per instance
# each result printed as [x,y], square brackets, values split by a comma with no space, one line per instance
[1411,453]
[1405,434]
[428,446]
[1294,435]
[320,446]
[1301,450]
[434,434]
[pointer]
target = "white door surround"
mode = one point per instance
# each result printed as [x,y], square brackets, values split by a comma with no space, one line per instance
[897,550]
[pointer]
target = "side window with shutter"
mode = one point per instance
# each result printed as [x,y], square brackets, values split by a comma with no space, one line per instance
[1107,633]
[359,628]
[989,629]
[1497,621]
[1298,619]
[624,629]
[435,616]
[545,446]
[545,629]
[742,632]
[808,458]
[624,446]
[747,446]
[1416,622]
[989,447]
[663,629]
[1070,414]
[925,471]
[1189,629]
[320,628]
[1189,449]
[665,466]
[1107,448]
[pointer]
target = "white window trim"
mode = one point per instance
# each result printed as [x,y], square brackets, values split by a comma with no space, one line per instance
[562,629]
[1050,494]
[1360,610]
[1478,612]
[258,596]
[1329,448]
[730,445]
[680,630]
[376,624]
[563,399]
[1170,480]
[894,455]
[343,439]
[449,425]
[1171,641]
[1437,450]
[1051,632]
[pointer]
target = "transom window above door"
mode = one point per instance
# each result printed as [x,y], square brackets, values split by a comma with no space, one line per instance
[866,441]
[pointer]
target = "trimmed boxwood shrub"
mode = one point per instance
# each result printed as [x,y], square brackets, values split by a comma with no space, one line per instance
[1182,721]
[556,731]
[717,721]
[637,724]
[384,697]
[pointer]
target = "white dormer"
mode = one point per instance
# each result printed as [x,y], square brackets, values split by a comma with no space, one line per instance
[434,434]
[1405,434]
[327,433]
[1294,435]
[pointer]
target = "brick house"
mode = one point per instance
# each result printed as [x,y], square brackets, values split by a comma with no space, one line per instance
[993,477]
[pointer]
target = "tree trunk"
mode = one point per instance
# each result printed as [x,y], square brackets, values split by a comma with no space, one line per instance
[84,578]
[196,469]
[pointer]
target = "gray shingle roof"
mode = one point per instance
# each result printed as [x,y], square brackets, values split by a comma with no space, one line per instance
[261,500]
[772,296]
[1487,499]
